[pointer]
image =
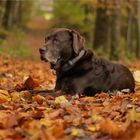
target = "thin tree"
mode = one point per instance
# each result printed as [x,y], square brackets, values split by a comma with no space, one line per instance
[7,17]
[138,29]
[129,33]
[102,28]
[115,30]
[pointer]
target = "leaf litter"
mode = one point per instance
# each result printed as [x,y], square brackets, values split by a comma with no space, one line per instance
[27,116]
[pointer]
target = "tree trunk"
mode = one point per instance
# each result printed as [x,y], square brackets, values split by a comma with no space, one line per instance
[129,34]
[10,7]
[138,30]
[87,30]
[2,9]
[115,31]
[7,15]
[102,29]
[15,12]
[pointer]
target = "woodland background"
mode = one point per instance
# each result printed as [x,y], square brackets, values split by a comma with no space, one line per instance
[111,27]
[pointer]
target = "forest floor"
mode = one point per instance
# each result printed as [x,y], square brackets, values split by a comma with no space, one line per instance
[28,116]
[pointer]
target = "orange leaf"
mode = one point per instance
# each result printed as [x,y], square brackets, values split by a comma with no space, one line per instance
[38,114]
[30,83]
[58,130]
[110,127]
[39,99]
[4,96]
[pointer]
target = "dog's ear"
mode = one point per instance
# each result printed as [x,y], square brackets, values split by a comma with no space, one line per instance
[78,41]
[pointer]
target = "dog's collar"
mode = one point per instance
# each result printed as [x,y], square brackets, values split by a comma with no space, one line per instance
[72,62]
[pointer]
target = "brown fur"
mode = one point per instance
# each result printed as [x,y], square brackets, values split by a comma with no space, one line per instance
[80,71]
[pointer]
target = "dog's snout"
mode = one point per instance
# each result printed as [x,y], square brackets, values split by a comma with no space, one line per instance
[53,61]
[41,50]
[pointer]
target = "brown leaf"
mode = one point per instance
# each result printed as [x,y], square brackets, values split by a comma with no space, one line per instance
[39,99]
[19,87]
[38,114]
[30,83]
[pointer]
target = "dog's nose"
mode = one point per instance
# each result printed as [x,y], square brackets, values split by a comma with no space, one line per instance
[41,50]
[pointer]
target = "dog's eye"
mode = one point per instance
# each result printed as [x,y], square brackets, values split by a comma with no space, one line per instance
[47,38]
[56,41]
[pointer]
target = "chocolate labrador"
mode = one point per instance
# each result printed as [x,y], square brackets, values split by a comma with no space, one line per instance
[79,70]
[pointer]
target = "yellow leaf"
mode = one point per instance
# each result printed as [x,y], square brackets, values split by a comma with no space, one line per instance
[133,114]
[76,132]
[44,122]
[96,117]
[15,96]
[92,128]
[4,96]
[33,109]
[61,100]
[4,92]
[136,75]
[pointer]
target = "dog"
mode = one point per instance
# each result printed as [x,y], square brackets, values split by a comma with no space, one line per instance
[80,71]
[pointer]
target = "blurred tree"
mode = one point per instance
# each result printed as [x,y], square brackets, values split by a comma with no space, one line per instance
[138,29]
[108,28]
[129,32]
[7,17]
[15,12]
[115,30]
[75,14]
[107,25]
[2,5]
[68,14]
[102,27]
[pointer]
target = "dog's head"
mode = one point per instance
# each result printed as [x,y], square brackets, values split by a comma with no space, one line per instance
[60,45]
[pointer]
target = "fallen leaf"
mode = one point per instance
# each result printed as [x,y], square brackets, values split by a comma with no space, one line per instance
[133,114]
[19,87]
[38,114]
[110,127]
[58,130]
[136,75]
[76,132]
[4,96]
[15,96]
[96,118]
[30,83]
[39,99]
[61,100]
[12,120]
[56,113]
[93,128]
